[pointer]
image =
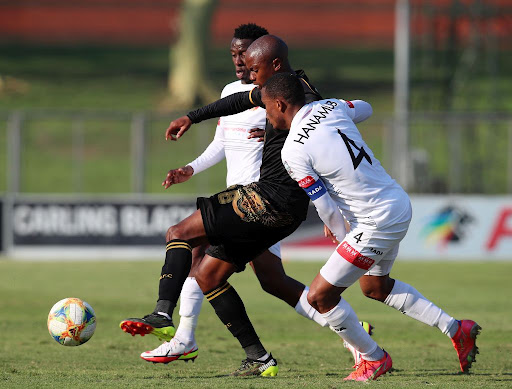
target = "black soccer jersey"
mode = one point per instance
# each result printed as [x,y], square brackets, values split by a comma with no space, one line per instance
[275,183]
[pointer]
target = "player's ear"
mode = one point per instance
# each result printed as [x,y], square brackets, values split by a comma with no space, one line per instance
[276,64]
[281,105]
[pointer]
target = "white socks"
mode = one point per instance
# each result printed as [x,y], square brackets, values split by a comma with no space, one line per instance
[411,303]
[303,308]
[191,300]
[343,321]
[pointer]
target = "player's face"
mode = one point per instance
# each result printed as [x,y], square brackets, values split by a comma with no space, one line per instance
[261,69]
[274,112]
[238,48]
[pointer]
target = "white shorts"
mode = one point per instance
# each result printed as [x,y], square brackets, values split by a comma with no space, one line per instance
[276,249]
[364,251]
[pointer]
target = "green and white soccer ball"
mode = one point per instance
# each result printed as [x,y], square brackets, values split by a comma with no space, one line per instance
[71,322]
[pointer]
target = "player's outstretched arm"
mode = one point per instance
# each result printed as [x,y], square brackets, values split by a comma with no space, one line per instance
[229,105]
[177,176]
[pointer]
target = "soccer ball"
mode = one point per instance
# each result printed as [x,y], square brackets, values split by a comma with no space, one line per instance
[71,322]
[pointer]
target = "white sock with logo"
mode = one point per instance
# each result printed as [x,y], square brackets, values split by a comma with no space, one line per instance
[191,301]
[343,320]
[305,309]
[410,302]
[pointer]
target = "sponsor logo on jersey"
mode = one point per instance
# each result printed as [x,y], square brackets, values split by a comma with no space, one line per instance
[314,120]
[315,190]
[289,169]
[306,181]
[354,257]
[375,251]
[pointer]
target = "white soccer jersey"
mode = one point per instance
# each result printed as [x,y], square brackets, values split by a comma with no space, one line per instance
[243,156]
[324,145]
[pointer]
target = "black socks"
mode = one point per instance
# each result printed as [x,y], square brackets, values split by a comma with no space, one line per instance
[178,260]
[231,311]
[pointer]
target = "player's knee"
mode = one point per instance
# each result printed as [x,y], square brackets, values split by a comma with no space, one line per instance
[174,232]
[315,299]
[323,300]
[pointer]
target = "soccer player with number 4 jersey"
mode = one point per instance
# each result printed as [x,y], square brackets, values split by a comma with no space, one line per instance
[236,140]
[327,156]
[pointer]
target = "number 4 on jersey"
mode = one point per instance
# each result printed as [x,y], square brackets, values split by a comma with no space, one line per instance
[362,153]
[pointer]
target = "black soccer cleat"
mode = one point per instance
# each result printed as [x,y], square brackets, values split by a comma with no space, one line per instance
[251,367]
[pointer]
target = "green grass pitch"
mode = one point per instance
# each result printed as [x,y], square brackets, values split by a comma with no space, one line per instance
[309,356]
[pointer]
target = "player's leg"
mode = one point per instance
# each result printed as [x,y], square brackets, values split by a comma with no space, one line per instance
[191,301]
[181,238]
[268,267]
[350,261]
[212,277]
[378,285]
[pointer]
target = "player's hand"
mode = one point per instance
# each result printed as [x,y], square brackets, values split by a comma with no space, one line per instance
[177,176]
[328,234]
[177,128]
[257,133]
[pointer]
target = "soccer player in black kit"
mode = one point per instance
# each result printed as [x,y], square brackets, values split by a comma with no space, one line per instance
[242,221]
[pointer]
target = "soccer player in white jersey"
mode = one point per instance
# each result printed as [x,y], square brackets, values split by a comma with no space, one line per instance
[235,140]
[325,153]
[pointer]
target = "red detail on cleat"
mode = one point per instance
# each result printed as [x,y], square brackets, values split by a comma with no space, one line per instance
[136,328]
[464,343]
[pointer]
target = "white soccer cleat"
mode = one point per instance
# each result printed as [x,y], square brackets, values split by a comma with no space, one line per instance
[171,351]
[356,354]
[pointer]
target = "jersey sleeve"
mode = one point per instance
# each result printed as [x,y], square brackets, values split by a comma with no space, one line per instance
[358,110]
[299,168]
[229,105]
[212,155]
[255,97]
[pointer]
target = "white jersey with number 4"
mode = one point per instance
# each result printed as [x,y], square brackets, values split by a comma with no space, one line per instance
[325,146]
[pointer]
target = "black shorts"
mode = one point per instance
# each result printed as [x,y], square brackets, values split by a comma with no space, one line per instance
[241,224]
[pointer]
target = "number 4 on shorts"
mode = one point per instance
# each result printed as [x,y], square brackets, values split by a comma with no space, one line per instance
[358,237]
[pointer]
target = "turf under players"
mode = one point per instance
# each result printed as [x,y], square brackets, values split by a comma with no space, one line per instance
[235,142]
[327,156]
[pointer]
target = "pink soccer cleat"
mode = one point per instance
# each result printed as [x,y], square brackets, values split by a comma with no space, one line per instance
[370,370]
[464,342]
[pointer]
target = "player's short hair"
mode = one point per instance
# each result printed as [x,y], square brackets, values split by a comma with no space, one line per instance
[287,86]
[249,31]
